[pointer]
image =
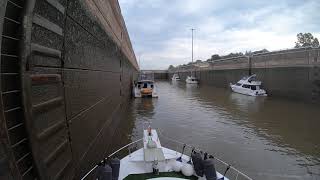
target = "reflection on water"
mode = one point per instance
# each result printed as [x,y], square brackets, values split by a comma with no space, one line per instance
[265,137]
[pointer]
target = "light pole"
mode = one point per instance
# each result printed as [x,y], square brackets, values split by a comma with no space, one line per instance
[192,29]
[140,54]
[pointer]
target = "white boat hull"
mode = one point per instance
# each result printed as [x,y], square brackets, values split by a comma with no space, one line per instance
[191,80]
[134,163]
[137,93]
[175,79]
[248,92]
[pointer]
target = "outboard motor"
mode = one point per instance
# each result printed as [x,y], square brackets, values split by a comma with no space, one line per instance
[104,173]
[115,165]
[209,169]
[197,163]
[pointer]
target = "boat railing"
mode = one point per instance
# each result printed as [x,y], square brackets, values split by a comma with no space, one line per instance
[229,171]
[110,156]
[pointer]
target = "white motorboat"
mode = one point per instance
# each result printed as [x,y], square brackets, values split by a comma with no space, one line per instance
[155,162]
[175,77]
[144,88]
[191,80]
[248,85]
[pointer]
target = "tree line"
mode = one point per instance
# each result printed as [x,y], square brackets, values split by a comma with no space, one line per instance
[303,40]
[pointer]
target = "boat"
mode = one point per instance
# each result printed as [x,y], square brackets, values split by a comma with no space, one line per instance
[191,80]
[155,162]
[248,85]
[175,77]
[144,87]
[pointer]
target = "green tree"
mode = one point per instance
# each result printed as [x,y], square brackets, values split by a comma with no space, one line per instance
[305,40]
[171,67]
[215,57]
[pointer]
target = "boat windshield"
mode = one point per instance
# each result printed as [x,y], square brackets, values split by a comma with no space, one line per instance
[253,87]
[252,78]
[244,78]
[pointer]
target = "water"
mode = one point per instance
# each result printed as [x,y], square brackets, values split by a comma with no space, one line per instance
[265,137]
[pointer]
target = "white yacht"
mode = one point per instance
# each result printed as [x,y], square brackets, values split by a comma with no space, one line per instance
[248,85]
[191,80]
[175,77]
[155,162]
[144,87]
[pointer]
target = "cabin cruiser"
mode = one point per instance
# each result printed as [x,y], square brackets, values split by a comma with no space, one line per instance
[248,85]
[144,88]
[175,77]
[156,162]
[191,80]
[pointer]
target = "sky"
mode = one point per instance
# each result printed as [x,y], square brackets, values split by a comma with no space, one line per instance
[160,30]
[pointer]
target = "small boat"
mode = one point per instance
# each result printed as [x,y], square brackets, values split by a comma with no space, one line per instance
[175,77]
[144,87]
[155,162]
[191,80]
[248,85]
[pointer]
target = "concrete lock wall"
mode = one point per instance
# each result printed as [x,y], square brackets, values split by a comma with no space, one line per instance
[293,74]
[66,73]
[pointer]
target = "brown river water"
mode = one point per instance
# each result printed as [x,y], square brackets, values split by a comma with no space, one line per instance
[264,137]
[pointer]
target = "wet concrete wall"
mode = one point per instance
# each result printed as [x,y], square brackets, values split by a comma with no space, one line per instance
[66,75]
[292,73]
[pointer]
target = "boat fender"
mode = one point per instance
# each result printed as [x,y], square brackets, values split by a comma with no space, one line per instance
[197,163]
[115,165]
[104,172]
[209,169]
[187,169]
[177,166]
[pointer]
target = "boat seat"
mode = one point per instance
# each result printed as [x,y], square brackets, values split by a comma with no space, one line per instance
[152,154]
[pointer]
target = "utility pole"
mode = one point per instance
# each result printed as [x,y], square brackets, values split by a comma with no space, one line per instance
[192,29]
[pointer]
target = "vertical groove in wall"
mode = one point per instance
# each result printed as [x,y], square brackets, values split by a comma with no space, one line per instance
[20,155]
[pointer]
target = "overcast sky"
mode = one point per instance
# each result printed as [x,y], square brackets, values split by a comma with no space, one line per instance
[160,29]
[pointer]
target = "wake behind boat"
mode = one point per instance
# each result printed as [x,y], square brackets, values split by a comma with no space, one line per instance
[248,85]
[155,162]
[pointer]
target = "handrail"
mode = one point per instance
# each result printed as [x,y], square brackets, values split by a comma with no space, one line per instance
[173,140]
[110,157]
[196,148]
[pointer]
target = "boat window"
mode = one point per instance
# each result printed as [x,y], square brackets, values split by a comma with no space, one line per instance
[246,86]
[145,85]
[253,88]
[151,85]
[238,84]
[139,86]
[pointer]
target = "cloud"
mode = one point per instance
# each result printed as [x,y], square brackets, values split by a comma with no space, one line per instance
[160,29]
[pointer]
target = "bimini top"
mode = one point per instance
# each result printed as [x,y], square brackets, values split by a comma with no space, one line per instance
[250,80]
